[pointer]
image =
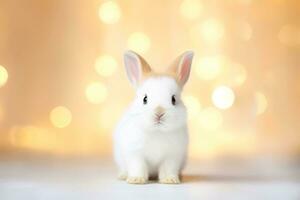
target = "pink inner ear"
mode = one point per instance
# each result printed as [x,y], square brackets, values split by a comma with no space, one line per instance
[134,69]
[185,69]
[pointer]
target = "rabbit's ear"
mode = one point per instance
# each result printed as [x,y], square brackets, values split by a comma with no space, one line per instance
[136,67]
[181,67]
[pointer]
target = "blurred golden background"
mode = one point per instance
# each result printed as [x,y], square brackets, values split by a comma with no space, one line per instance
[63,85]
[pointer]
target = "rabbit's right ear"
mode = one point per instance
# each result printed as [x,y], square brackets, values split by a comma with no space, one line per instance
[136,67]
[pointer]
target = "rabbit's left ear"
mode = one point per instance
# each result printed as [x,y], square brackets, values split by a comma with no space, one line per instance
[136,67]
[181,67]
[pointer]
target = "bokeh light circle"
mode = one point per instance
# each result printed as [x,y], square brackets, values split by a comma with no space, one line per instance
[261,103]
[223,97]
[208,68]
[139,42]
[239,74]
[106,65]
[109,12]
[190,9]
[212,30]
[3,76]
[96,93]
[60,117]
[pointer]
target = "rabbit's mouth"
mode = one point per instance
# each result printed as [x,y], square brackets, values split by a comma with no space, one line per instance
[158,122]
[159,118]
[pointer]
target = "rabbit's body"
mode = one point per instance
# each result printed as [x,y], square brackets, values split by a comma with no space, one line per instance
[152,137]
[138,135]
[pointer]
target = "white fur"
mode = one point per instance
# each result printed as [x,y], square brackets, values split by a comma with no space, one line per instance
[143,148]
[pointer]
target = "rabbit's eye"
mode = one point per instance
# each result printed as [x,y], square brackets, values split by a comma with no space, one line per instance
[145,100]
[173,100]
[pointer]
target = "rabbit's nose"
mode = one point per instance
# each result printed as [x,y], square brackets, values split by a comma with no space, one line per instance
[159,116]
[159,110]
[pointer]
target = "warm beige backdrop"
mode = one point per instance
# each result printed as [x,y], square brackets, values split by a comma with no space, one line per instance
[66,85]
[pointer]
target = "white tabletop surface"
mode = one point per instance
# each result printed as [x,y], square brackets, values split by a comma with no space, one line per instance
[96,179]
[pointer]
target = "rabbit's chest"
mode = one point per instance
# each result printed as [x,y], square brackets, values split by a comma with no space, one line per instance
[158,147]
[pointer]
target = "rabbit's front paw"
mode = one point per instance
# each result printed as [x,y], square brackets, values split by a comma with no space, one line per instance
[136,180]
[170,180]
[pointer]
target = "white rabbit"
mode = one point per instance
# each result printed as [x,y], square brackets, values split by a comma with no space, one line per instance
[152,137]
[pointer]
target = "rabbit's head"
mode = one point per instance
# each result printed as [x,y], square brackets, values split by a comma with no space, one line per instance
[158,104]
